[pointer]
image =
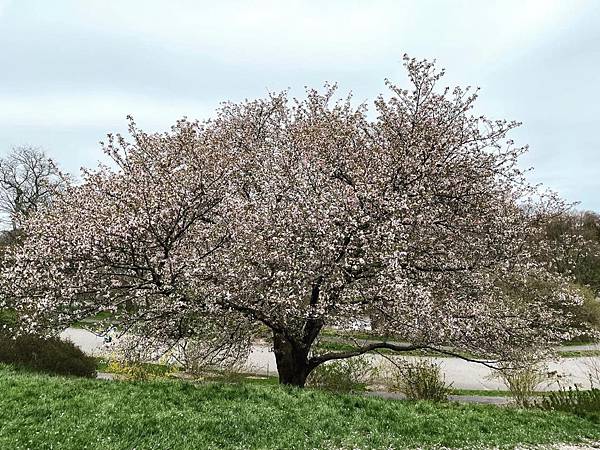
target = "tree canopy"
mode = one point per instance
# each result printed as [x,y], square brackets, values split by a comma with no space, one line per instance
[299,214]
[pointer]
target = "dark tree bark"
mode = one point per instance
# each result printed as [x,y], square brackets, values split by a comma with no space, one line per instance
[292,360]
[294,365]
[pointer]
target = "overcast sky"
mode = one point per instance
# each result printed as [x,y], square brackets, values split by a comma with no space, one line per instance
[70,71]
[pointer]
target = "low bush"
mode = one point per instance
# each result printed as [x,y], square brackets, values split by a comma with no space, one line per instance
[348,375]
[129,370]
[583,403]
[133,370]
[420,380]
[593,365]
[197,356]
[49,355]
[522,383]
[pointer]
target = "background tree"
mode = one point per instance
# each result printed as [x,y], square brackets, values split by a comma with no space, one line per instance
[569,244]
[302,214]
[572,244]
[28,181]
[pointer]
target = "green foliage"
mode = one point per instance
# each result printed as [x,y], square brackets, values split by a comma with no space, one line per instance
[8,319]
[49,355]
[576,237]
[585,316]
[587,270]
[42,412]
[347,375]
[420,380]
[584,403]
[570,244]
[590,309]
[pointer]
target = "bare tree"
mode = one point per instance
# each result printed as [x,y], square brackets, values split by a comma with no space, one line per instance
[28,180]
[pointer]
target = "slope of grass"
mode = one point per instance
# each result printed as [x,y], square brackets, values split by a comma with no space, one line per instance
[43,412]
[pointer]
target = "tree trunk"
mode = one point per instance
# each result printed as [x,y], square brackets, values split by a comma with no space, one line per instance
[292,360]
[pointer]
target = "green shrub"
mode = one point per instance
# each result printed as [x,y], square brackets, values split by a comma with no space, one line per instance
[348,375]
[420,380]
[576,401]
[522,383]
[587,316]
[50,355]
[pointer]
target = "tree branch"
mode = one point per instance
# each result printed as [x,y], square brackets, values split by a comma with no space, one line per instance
[320,359]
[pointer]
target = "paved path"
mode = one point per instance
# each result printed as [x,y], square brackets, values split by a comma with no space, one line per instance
[461,374]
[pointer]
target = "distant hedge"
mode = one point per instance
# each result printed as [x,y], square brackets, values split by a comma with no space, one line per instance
[48,355]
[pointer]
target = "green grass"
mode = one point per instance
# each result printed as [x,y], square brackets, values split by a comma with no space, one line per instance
[239,378]
[485,392]
[43,412]
[579,353]
[100,318]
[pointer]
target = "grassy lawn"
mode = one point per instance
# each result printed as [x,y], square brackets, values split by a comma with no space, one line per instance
[485,392]
[579,354]
[42,412]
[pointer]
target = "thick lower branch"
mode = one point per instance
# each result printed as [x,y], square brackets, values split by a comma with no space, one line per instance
[320,359]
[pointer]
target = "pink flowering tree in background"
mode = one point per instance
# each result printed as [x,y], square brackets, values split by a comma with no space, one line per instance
[301,214]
